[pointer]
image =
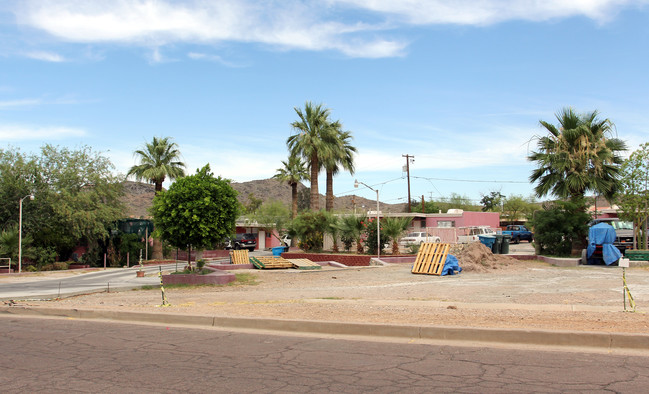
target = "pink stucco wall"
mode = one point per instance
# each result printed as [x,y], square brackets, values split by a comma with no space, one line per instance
[465,219]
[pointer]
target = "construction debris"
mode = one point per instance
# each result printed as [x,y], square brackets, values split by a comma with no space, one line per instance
[431,258]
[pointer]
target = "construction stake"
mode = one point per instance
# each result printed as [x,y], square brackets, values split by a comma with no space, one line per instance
[162,288]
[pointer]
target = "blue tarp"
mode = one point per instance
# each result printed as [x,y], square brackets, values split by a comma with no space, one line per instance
[451,265]
[603,234]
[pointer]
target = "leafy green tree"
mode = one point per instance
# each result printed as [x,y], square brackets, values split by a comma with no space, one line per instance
[293,172]
[579,155]
[517,207]
[430,206]
[272,217]
[159,160]
[557,226]
[77,197]
[336,155]
[314,134]
[633,196]
[394,228]
[252,205]
[196,212]
[492,202]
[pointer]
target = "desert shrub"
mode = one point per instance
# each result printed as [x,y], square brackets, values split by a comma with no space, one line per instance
[46,267]
[556,227]
[60,265]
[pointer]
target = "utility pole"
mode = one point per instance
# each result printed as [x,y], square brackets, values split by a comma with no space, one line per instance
[408,161]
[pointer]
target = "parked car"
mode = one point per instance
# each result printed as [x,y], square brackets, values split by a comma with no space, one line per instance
[474,233]
[623,232]
[518,233]
[242,241]
[418,238]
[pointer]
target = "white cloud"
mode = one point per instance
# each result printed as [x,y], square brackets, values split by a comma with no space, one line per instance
[19,103]
[45,56]
[211,58]
[290,24]
[485,12]
[26,132]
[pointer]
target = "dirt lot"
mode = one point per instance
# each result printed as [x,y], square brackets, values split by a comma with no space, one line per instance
[492,291]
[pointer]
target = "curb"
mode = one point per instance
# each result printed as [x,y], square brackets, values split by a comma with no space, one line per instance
[561,339]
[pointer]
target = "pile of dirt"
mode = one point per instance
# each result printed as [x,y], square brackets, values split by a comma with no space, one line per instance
[478,258]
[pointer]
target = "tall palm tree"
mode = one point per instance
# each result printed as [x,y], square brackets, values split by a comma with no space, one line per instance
[579,155]
[158,160]
[314,134]
[393,228]
[339,153]
[292,173]
[576,157]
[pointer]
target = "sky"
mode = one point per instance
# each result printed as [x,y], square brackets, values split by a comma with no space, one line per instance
[460,85]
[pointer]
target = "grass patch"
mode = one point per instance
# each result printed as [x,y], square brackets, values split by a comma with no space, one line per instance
[244,279]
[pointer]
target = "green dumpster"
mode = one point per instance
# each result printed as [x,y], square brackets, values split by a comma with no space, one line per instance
[498,244]
[504,248]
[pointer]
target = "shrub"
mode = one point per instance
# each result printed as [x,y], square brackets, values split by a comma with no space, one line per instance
[60,265]
[556,227]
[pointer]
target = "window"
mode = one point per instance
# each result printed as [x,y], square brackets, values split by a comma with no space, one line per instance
[446,223]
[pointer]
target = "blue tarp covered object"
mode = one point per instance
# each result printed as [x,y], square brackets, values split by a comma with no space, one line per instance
[451,265]
[603,234]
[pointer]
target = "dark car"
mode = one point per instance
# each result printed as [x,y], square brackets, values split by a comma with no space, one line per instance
[242,241]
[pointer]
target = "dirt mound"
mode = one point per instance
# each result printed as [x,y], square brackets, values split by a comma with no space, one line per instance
[478,258]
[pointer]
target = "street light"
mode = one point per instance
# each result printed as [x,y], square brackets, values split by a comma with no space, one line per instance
[20,231]
[378,226]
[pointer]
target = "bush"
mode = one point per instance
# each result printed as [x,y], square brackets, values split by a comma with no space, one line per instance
[557,227]
[60,265]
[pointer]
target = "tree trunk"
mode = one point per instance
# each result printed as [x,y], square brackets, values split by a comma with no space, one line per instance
[315,197]
[157,249]
[395,247]
[329,199]
[293,200]
[359,247]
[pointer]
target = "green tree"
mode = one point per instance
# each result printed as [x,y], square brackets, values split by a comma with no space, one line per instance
[293,172]
[577,156]
[633,196]
[272,217]
[252,204]
[394,228]
[336,155]
[517,207]
[492,202]
[314,134]
[557,226]
[159,160]
[77,197]
[196,212]
[309,227]
[331,228]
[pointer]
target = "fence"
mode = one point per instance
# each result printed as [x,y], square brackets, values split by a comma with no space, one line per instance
[3,266]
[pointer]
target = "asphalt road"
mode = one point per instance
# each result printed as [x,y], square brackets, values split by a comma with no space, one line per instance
[57,355]
[104,280]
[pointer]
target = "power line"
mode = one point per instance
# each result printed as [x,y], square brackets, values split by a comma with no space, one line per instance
[467,180]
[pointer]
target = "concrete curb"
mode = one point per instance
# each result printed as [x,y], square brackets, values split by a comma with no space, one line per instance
[599,340]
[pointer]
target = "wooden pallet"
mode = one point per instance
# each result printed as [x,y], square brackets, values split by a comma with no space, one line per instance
[431,258]
[305,264]
[268,262]
[239,257]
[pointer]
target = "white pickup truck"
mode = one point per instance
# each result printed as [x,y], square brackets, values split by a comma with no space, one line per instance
[473,233]
[418,238]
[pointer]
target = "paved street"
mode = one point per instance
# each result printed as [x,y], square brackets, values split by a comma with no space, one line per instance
[56,355]
[112,278]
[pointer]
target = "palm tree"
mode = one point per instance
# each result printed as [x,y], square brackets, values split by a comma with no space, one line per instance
[353,227]
[292,173]
[336,154]
[314,134]
[577,156]
[393,228]
[158,160]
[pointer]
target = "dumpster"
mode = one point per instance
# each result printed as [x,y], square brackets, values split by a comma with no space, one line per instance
[498,244]
[487,240]
[278,250]
[504,248]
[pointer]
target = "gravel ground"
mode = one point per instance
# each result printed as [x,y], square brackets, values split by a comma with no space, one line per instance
[506,294]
